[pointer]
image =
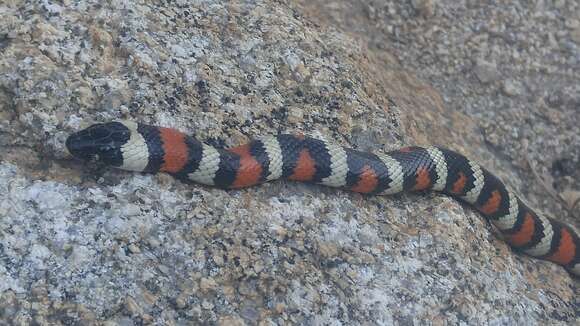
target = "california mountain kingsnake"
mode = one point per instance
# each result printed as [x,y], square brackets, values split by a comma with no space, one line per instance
[138,147]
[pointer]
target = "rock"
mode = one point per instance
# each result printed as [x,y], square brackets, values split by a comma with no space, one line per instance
[295,115]
[207,284]
[134,248]
[425,8]
[231,321]
[572,23]
[575,35]
[485,71]
[88,245]
[512,88]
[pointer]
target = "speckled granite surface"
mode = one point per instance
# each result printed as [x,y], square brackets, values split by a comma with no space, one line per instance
[81,244]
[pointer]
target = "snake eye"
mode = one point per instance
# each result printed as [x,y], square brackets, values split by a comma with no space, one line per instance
[98,132]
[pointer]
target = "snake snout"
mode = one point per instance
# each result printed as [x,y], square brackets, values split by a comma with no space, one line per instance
[79,146]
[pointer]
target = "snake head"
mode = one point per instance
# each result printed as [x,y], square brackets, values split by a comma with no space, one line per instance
[100,142]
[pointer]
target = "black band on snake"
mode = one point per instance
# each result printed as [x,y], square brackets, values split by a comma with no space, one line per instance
[137,147]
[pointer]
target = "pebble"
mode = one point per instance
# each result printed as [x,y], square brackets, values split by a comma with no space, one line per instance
[295,115]
[133,307]
[426,8]
[512,88]
[207,284]
[485,71]
[134,248]
[207,305]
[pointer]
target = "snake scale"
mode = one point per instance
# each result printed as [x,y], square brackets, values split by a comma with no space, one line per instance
[138,147]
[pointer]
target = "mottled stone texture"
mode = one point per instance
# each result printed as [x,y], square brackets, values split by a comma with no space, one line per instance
[80,244]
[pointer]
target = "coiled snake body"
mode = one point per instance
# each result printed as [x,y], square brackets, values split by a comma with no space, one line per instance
[138,147]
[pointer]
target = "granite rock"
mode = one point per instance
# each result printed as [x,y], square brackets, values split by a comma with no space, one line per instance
[83,244]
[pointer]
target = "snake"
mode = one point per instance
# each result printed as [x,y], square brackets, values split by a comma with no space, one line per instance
[133,146]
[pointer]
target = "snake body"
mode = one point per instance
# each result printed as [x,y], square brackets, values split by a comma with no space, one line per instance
[139,147]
